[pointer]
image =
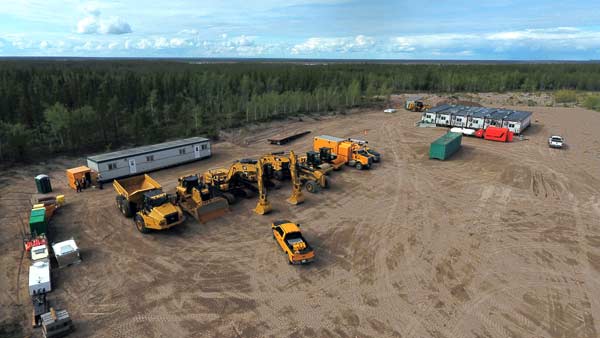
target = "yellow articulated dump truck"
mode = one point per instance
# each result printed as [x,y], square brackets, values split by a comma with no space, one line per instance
[142,197]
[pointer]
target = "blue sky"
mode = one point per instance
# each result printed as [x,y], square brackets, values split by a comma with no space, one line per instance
[378,29]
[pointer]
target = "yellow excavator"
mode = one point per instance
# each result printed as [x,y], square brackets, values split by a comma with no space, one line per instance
[278,165]
[243,178]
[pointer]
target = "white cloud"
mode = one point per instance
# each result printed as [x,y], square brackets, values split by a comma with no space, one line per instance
[318,45]
[93,23]
[44,44]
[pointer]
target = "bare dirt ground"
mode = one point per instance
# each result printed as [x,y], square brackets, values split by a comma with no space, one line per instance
[500,241]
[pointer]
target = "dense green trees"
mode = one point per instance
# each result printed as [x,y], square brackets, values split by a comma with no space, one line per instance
[86,106]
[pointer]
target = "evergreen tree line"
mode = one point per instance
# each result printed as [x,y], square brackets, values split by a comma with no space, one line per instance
[49,107]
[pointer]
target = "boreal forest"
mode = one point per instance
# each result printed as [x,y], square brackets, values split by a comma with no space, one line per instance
[74,106]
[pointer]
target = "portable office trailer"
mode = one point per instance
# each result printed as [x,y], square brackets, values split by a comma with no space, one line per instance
[144,159]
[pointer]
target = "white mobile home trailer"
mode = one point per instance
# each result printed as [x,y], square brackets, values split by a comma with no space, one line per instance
[144,159]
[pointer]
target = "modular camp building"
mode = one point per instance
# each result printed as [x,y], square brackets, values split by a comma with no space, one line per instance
[477,117]
[148,158]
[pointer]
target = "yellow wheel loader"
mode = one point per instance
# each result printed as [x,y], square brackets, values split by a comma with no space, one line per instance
[416,106]
[198,200]
[142,198]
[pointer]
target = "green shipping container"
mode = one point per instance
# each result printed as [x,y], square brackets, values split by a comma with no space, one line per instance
[445,146]
[37,222]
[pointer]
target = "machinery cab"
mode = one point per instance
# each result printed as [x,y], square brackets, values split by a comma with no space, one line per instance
[313,158]
[154,199]
[326,155]
[188,183]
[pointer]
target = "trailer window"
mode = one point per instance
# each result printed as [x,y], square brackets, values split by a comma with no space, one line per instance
[204,146]
[112,166]
[150,158]
[181,151]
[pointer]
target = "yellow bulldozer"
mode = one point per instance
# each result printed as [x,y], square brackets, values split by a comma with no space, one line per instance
[195,198]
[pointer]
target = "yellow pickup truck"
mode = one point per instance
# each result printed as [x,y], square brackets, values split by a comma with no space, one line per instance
[291,241]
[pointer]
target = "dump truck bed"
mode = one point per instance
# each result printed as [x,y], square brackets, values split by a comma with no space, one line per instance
[132,188]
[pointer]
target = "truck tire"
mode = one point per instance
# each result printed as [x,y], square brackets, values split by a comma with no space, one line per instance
[312,187]
[140,224]
[128,208]
[119,200]
[359,166]
[326,185]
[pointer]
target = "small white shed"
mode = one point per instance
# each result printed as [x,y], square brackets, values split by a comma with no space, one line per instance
[39,277]
[66,252]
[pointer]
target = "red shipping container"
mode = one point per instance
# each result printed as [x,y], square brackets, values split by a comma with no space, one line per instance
[498,134]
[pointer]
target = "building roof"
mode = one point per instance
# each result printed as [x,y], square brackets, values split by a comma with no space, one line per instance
[332,138]
[482,112]
[146,149]
[82,169]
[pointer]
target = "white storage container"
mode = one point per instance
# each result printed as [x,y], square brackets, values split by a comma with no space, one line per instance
[39,277]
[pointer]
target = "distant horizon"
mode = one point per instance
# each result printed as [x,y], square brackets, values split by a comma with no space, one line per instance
[292,60]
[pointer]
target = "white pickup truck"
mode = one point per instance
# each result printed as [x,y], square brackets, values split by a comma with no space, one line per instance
[556,141]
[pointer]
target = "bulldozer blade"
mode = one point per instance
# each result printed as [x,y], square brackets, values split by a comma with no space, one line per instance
[263,208]
[211,209]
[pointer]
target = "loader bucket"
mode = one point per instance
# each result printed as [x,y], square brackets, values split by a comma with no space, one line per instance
[211,209]
[263,208]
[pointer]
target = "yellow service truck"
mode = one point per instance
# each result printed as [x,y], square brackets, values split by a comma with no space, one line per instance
[142,197]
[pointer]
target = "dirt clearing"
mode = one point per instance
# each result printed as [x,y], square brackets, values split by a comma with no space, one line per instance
[500,241]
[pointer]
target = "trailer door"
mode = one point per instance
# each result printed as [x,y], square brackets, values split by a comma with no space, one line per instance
[132,166]
[196,151]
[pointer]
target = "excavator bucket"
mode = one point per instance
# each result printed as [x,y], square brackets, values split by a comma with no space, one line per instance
[296,198]
[211,209]
[263,208]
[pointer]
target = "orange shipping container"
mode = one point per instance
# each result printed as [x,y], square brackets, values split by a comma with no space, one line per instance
[80,172]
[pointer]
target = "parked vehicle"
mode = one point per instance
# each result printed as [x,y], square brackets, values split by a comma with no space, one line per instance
[142,197]
[291,241]
[556,141]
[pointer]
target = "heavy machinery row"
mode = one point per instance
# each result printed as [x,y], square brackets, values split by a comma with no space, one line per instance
[208,195]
